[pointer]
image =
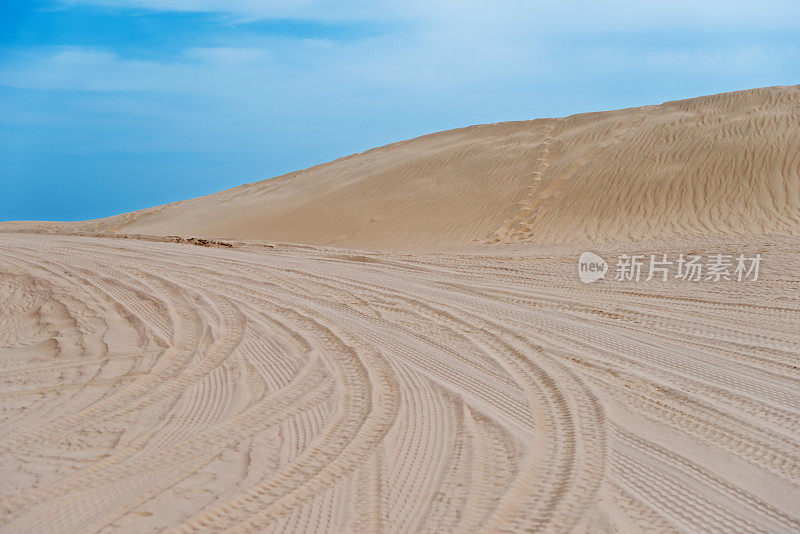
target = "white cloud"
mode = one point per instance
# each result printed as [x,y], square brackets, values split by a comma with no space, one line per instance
[460,43]
[535,15]
[76,68]
[452,63]
[348,10]
[230,55]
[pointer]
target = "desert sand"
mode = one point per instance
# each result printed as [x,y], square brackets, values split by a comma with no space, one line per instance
[397,341]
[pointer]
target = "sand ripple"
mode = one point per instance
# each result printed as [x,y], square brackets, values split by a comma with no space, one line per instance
[150,386]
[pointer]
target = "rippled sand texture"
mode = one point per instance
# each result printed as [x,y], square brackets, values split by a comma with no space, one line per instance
[723,165]
[150,386]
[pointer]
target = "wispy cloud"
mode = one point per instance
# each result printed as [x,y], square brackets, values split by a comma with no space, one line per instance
[552,15]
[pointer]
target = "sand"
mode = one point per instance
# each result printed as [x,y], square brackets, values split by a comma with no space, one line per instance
[723,165]
[397,341]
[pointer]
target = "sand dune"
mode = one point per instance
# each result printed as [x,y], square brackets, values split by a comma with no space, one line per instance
[151,384]
[726,164]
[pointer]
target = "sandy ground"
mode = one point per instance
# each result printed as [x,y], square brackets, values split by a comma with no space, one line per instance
[462,380]
[150,386]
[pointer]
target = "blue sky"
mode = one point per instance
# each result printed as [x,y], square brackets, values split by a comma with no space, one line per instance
[108,106]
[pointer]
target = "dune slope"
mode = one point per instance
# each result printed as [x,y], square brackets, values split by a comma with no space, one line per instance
[726,164]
